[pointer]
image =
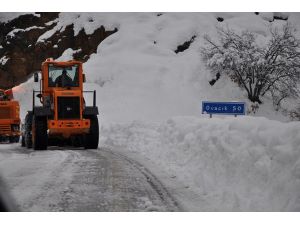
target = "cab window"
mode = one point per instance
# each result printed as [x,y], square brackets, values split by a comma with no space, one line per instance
[63,76]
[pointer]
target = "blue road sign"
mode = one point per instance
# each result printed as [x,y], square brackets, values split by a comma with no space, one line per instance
[228,108]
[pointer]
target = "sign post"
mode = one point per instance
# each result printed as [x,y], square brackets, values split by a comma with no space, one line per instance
[223,108]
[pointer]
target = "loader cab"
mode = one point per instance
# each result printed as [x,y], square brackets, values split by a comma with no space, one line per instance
[61,76]
[64,77]
[63,114]
[61,88]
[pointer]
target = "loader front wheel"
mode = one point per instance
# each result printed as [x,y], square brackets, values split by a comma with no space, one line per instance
[39,133]
[92,138]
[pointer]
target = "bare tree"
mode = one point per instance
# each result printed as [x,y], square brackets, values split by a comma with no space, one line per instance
[273,67]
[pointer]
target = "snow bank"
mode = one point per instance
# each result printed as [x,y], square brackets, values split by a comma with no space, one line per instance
[234,164]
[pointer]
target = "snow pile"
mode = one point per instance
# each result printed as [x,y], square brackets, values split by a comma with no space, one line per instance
[247,164]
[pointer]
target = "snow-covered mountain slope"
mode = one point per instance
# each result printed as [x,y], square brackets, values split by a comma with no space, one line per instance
[139,76]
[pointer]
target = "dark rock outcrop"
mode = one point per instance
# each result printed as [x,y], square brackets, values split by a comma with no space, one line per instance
[280,16]
[185,45]
[213,81]
[25,55]
[220,19]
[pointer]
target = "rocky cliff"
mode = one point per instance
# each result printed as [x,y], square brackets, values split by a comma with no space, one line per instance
[21,53]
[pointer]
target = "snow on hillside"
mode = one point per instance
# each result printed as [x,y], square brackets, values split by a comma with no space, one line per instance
[143,58]
[249,163]
[138,75]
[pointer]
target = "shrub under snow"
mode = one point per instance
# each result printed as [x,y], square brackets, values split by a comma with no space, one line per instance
[258,68]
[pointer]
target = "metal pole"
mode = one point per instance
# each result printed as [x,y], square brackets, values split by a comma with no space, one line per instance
[94,99]
[33,100]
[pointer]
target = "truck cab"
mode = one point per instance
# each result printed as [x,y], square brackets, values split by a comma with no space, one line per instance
[9,117]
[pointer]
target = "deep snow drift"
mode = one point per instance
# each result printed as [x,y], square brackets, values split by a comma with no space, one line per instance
[233,164]
[248,163]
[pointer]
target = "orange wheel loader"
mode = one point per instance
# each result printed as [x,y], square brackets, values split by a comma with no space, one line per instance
[61,117]
[9,117]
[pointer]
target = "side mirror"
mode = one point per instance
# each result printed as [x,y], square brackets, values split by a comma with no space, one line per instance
[36,77]
[83,78]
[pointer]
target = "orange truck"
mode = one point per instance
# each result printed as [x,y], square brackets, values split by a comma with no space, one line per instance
[9,117]
[61,116]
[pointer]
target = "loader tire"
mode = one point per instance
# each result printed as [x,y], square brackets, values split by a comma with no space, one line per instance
[28,130]
[23,141]
[39,133]
[92,138]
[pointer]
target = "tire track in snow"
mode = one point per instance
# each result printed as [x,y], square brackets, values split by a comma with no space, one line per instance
[164,194]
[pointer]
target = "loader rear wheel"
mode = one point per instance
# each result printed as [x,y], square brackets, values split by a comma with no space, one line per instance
[39,133]
[92,138]
[28,130]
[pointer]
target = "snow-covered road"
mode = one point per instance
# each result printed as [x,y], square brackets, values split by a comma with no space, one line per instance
[80,180]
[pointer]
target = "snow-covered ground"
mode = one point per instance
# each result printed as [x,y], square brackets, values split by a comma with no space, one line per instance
[149,100]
